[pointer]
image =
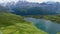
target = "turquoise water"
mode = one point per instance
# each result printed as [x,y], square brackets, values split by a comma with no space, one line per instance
[46,25]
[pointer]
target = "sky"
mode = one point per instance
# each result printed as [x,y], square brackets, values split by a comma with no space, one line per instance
[42,0]
[5,1]
[2,1]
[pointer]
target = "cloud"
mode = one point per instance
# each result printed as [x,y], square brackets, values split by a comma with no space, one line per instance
[5,1]
[42,0]
[2,1]
[36,0]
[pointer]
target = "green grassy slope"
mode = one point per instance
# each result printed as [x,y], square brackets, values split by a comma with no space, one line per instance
[58,33]
[14,24]
[54,18]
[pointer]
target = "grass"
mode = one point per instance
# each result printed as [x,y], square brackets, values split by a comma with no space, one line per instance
[14,24]
[58,33]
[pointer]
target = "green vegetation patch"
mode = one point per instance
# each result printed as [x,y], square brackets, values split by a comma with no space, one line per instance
[14,24]
[20,28]
[58,33]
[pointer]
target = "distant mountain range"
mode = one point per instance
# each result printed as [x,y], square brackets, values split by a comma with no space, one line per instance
[23,7]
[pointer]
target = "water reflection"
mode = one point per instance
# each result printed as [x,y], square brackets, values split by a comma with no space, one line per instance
[46,25]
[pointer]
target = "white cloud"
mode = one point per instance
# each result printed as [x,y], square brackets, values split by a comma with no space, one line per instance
[2,1]
[42,0]
[5,1]
[36,0]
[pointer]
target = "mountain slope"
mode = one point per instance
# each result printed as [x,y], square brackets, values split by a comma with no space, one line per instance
[14,24]
[45,7]
[28,8]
